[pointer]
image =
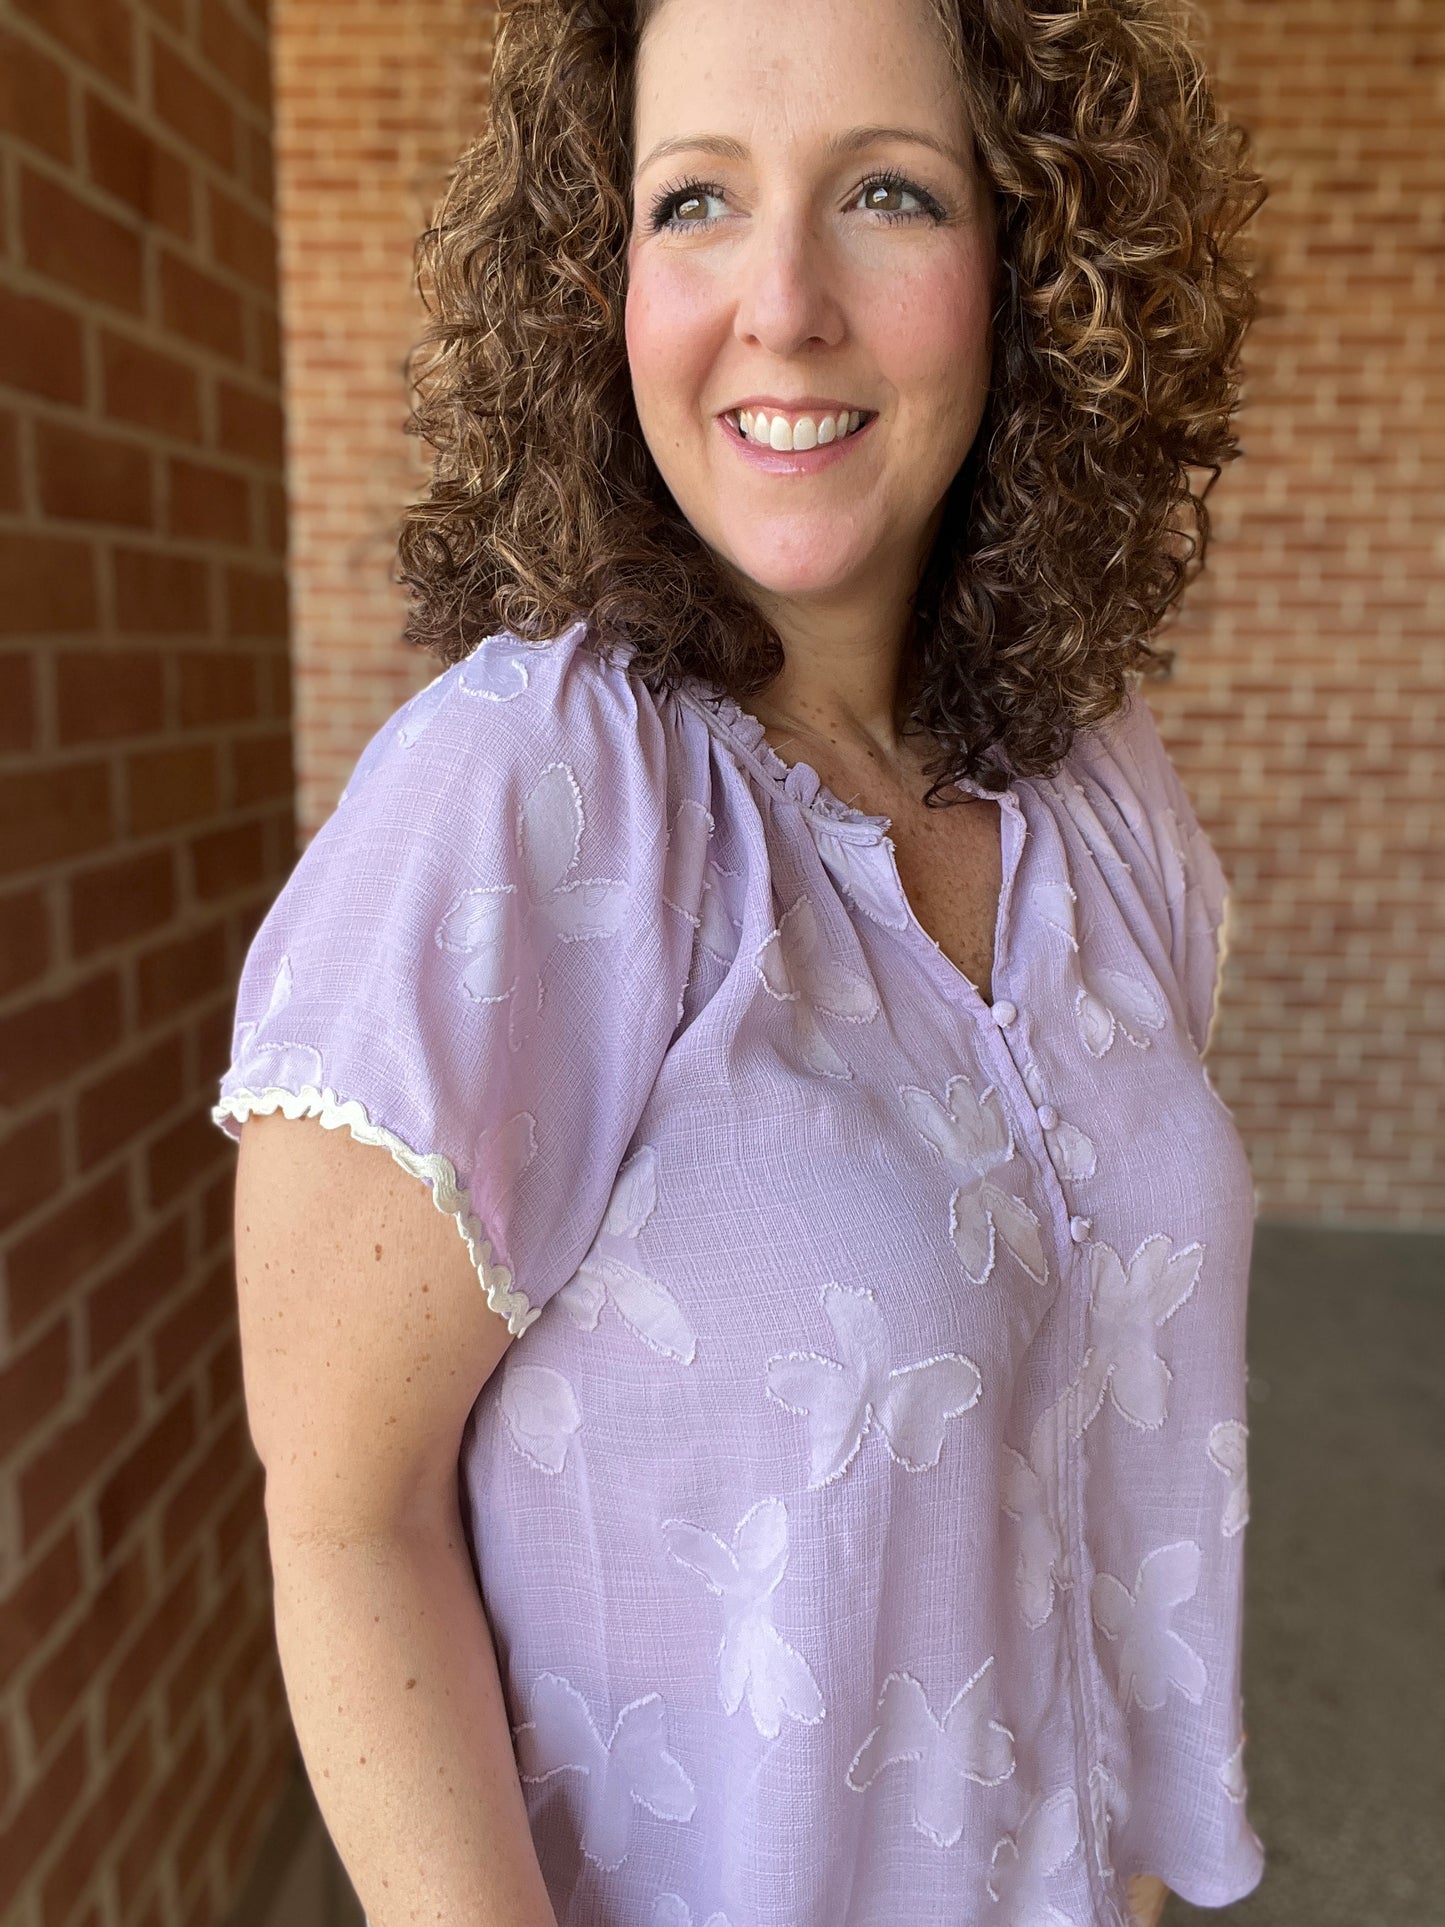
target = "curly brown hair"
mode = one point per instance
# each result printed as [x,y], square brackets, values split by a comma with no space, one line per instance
[1072,527]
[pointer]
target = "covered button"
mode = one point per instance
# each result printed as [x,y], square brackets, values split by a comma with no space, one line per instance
[1079,1229]
[1048,1116]
[1004,1013]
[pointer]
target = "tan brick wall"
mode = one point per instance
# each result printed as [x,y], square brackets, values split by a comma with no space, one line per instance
[373,103]
[1306,712]
[145,822]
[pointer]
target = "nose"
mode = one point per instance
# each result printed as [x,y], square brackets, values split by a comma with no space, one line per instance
[788,296]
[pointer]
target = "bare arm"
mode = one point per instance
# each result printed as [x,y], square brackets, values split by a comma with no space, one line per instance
[1147,1896]
[365,1339]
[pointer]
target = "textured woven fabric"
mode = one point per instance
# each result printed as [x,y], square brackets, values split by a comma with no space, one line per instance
[859,1510]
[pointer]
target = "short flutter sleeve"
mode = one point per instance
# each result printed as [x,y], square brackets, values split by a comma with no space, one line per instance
[1189,894]
[478,961]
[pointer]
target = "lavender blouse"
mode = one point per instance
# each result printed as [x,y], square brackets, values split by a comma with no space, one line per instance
[859,1510]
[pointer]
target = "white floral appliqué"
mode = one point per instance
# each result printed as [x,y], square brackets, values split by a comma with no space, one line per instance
[671,1910]
[841,1397]
[632,1767]
[972,1135]
[718,931]
[867,881]
[682,873]
[1031,1495]
[794,968]
[508,935]
[1086,818]
[968,1743]
[1112,1005]
[1152,1656]
[415,717]
[1227,1450]
[1071,1153]
[1024,1863]
[754,1660]
[1053,903]
[262,1062]
[506,1150]
[1126,1307]
[643,1304]
[281,985]
[1173,864]
[1232,1778]
[1109,1806]
[540,1409]
[495,671]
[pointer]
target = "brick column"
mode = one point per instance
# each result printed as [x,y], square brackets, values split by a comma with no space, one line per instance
[1307,714]
[373,103]
[145,823]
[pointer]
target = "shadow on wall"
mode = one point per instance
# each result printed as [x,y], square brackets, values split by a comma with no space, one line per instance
[1344,1688]
[298,1879]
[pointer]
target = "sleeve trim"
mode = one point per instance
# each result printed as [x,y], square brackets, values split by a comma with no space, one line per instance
[436,1171]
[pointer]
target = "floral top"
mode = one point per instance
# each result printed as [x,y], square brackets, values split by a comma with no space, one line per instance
[859,1510]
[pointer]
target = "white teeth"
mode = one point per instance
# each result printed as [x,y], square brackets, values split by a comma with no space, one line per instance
[777,432]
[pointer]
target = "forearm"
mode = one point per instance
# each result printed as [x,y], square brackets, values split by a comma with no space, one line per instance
[1147,1896]
[395,1695]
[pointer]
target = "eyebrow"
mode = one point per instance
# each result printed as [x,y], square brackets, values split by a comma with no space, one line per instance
[850,142]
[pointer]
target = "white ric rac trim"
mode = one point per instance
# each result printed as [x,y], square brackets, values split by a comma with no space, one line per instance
[436,1171]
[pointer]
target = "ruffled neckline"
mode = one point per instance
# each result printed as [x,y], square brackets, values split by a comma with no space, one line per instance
[799,782]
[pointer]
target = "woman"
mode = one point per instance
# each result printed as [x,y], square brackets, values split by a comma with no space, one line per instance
[779,938]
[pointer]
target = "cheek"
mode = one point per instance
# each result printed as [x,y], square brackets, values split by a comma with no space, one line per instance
[930,331]
[671,323]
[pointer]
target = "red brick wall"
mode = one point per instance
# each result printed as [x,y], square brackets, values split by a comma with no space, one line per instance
[145,822]
[373,103]
[1307,713]
[1305,716]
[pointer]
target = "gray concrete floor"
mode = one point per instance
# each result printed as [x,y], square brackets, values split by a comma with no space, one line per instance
[1344,1656]
[1344,1662]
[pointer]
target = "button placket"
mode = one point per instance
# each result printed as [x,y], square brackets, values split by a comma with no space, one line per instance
[1086,1675]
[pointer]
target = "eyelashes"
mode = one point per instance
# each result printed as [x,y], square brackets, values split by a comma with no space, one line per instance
[663,213]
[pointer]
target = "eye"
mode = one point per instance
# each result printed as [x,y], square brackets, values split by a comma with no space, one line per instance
[683,207]
[879,190]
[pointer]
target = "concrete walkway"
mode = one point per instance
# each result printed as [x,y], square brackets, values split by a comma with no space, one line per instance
[1344,1663]
[1344,1657]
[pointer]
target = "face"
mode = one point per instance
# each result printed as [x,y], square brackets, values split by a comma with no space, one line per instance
[812,246]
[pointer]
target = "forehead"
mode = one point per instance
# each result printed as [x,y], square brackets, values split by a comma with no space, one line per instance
[791,67]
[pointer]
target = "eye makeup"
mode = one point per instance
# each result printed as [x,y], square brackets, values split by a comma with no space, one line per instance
[662,214]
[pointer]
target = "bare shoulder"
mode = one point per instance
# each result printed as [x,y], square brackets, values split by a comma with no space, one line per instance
[365,1332]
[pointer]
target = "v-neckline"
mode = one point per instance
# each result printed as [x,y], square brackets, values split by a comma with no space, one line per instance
[834,820]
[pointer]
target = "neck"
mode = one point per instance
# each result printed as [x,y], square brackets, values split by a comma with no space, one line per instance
[843,692]
[842,669]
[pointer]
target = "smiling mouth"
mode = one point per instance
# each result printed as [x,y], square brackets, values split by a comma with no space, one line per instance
[777,431]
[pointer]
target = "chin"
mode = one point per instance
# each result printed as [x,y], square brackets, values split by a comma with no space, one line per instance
[827,573]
